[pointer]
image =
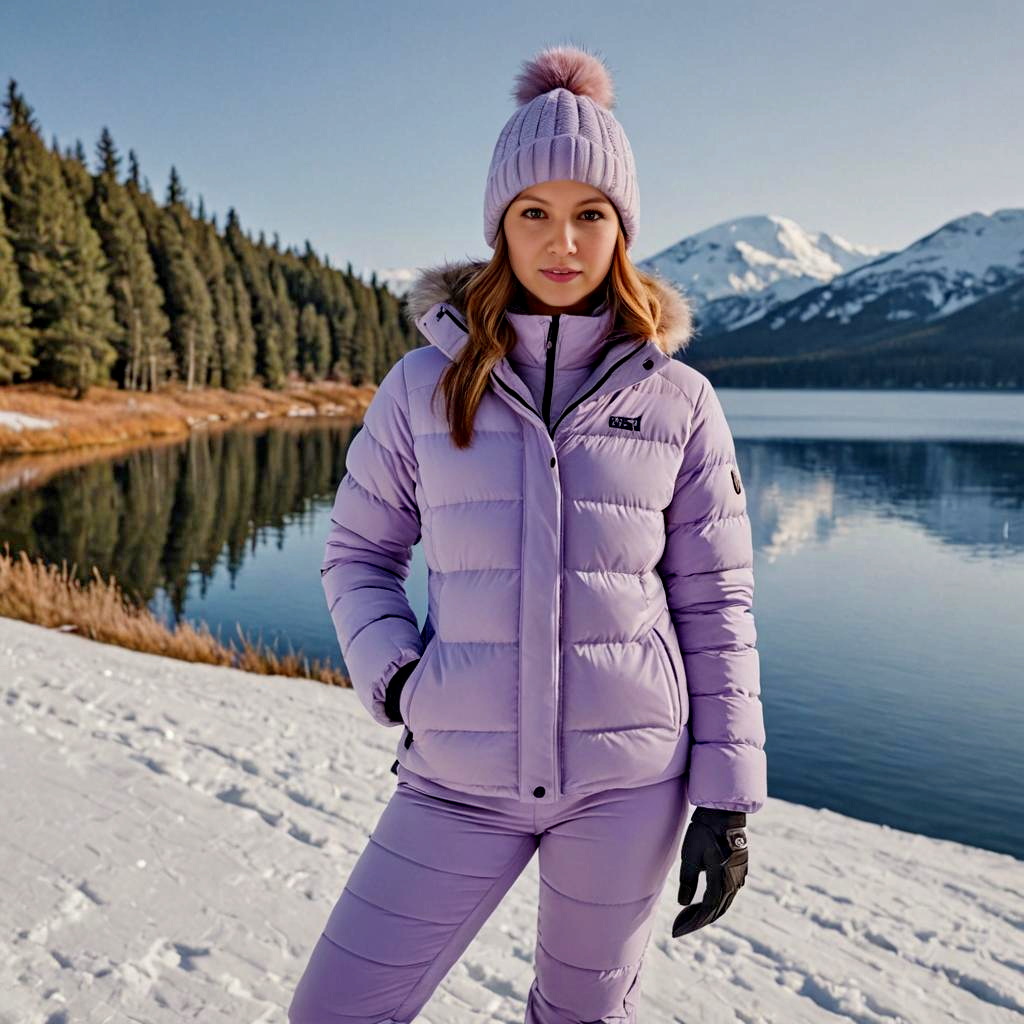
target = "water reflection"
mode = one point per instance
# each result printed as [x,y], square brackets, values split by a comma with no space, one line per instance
[968,494]
[168,518]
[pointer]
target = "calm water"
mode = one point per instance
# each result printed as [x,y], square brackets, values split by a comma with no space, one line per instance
[889,568]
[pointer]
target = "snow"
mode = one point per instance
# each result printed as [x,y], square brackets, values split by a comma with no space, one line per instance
[22,421]
[960,263]
[398,279]
[738,271]
[768,254]
[176,834]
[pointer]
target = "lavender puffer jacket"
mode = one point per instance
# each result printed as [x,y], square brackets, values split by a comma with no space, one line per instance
[589,617]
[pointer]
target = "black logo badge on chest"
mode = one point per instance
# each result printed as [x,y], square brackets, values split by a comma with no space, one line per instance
[625,422]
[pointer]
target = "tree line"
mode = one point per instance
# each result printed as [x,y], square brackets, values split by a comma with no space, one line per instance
[102,284]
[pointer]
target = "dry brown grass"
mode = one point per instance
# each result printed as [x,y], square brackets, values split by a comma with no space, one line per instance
[110,416]
[36,591]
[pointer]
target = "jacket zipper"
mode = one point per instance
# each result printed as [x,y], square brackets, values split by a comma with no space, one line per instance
[515,394]
[572,405]
[549,380]
[549,369]
[611,369]
[445,311]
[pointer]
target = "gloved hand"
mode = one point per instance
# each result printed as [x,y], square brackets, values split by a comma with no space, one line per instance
[715,842]
[394,690]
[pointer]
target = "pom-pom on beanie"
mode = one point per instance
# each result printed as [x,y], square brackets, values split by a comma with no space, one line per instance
[563,129]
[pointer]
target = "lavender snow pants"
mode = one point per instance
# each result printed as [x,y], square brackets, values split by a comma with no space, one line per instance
[439,862]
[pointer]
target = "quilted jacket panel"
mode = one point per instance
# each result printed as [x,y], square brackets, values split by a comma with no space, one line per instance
[590,587]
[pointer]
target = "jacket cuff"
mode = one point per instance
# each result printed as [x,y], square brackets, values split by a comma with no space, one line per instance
[720,817]
[373,697]
[393,691]
[728,776]
[746,807]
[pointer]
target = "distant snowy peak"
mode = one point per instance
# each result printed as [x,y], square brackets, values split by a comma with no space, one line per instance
[737,270]
[962,262]
[398,279]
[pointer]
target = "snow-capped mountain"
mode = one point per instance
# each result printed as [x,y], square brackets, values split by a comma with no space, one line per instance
[968,260]
[736,271]
[964,261]
[943,312]
[398,279]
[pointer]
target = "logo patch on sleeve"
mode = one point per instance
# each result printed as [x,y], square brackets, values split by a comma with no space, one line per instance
[625,422]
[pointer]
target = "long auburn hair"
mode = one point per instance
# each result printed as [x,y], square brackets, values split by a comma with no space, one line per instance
[491,291]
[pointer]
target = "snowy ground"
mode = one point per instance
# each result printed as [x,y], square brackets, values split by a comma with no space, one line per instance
[22,421]
[174,836]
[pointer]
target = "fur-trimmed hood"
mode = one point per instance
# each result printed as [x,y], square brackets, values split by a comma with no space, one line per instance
[447,282]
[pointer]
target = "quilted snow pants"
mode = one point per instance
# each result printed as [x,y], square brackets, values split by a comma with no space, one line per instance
[439,862]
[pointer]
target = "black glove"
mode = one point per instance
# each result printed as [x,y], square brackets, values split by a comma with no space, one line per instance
[394,690]
[715,841]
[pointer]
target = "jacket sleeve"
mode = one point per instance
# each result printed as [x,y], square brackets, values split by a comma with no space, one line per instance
[707,569]
[375,522]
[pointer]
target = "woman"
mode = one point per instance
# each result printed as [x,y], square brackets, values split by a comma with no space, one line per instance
[587,670]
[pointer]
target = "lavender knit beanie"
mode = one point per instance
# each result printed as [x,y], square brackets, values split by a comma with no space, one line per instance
[563,129]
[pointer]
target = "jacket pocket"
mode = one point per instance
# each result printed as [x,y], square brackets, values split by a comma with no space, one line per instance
[405,698]
[672,675]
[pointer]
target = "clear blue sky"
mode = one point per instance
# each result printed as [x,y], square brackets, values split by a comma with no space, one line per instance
[368,127]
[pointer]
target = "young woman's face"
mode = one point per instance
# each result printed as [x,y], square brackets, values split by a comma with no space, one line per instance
[560,224]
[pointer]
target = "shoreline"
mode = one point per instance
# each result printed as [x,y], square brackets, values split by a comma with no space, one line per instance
[41,418]
[44,594]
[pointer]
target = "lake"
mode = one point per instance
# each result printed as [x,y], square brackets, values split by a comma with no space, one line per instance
[889,579]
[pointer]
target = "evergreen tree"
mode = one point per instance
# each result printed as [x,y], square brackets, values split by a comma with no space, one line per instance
[224,368]
[144,352]
[287,320]
[106,153]
[245,358]
[59,258]
[133,168]
[251,263]
[342,316]
[76,174]
[394,342]
[175,189]
[16,357]
[314,344]
[365,336]
[188,301]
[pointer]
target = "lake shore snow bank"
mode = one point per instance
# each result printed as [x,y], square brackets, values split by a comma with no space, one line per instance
[176,834]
